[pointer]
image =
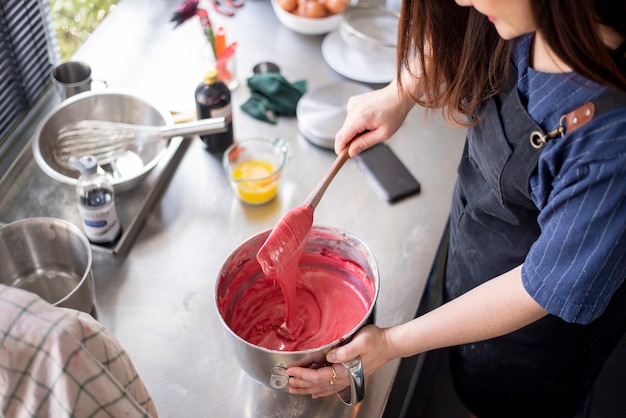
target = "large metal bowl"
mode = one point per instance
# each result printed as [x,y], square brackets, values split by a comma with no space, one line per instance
[371,30]
[108,105]
[49,257]
[241,271]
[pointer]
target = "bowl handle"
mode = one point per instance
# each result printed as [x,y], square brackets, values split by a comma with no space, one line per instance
[356,392]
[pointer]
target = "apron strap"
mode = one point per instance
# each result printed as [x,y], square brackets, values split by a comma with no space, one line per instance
[579,117]
[585,113]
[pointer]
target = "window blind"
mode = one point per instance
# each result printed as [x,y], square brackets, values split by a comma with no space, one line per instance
[27,54]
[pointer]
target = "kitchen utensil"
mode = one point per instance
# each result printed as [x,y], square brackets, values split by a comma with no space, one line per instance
[108,105]
[266,366]
[316,195]
[285,244]
[322,111]
[50,257]
[106,140]
[254,168]
[355,64]
[371,30]
[265,67]
[280,254]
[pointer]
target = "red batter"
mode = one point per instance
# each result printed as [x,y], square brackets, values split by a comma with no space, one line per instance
[320,298]
[333,296]
[279,257]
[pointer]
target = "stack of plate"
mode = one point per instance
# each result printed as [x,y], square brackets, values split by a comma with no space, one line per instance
[321,112]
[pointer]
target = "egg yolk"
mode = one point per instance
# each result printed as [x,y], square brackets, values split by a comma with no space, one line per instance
[262,186]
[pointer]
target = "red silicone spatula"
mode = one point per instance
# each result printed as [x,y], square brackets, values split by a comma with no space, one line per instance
[280,254]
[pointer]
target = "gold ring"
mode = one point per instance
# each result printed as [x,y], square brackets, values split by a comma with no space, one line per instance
[335,377]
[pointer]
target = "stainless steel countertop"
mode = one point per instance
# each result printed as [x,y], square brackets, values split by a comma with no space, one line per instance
[159,299]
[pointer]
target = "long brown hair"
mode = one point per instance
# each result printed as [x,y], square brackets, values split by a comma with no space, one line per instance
[462,61]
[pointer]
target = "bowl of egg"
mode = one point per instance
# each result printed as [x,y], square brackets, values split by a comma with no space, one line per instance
[254,167]
[311,17]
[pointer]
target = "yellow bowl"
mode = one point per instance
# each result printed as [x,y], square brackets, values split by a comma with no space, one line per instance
[254,168]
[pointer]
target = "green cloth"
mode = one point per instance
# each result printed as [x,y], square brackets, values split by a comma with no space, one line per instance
[271,95]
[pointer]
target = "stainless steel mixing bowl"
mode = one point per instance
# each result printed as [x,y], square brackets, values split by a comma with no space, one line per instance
[128,170]
[50,257]
[268,366]
[371,30]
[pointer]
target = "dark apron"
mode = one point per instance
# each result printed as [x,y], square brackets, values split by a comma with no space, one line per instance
[544,369]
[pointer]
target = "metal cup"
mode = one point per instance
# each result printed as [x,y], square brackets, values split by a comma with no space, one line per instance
[71,78]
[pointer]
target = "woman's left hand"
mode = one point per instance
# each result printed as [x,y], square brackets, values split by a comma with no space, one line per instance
[369,343]
[318,383]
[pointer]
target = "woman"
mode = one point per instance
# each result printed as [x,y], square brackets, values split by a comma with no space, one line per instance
[537,257]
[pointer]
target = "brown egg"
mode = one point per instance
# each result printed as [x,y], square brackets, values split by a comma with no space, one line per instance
[336,6]
[314,9]
[289,5]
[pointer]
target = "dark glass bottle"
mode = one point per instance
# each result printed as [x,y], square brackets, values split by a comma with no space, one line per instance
[213,101]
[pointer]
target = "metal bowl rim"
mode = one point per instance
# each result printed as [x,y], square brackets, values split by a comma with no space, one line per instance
[41,162]
[351,30]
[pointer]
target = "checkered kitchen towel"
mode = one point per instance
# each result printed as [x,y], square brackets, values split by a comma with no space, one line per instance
[57,362]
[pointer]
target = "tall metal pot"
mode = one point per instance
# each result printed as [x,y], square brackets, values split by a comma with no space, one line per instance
[50,257]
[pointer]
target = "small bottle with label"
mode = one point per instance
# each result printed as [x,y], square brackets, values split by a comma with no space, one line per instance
[213,101]
[96,202]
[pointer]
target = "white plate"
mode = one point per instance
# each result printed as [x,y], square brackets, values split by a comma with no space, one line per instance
[356,65]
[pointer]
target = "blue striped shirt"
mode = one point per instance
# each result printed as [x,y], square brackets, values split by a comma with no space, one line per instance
[579,260]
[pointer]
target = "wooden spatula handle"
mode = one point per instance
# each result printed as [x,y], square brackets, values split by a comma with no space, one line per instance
[316,195]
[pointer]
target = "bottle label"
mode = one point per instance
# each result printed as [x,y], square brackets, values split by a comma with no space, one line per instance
[100,224]
[224,111]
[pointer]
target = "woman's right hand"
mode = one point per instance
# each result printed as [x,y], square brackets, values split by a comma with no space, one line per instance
[372,117]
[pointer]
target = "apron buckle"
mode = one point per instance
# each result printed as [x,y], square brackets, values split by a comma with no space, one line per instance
[538,139]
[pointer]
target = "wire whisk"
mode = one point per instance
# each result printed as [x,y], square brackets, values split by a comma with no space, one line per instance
[106,140]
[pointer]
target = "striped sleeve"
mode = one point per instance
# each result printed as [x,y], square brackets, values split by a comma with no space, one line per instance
[579,260]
